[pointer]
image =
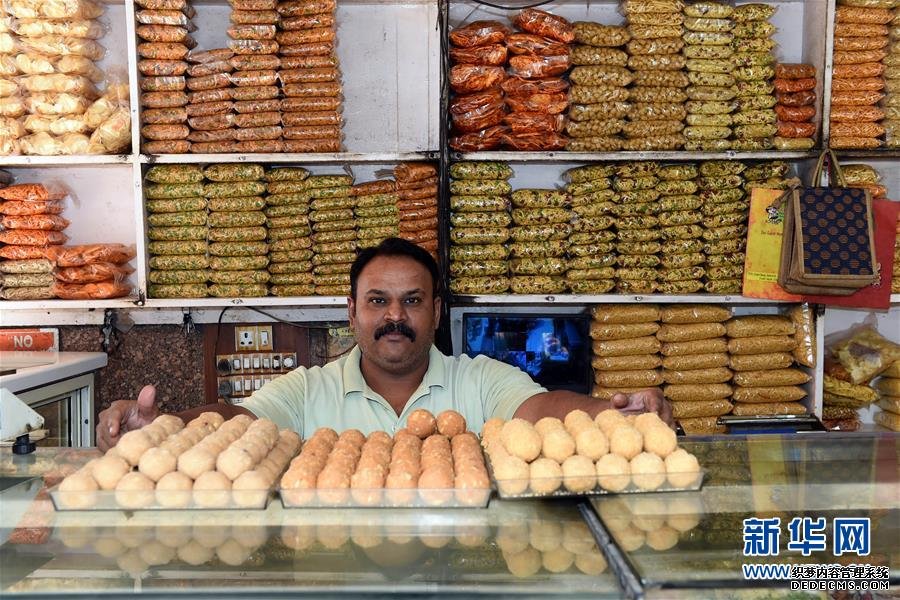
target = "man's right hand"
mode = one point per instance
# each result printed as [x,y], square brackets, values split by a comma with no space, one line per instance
[126,415]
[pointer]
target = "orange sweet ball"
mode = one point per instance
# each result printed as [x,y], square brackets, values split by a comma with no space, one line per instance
[451,423]
[421,423]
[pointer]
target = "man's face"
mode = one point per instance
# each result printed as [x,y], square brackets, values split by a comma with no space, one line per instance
[394,314]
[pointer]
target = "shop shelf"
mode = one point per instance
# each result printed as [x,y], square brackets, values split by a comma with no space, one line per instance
[261,301]
[331,157]
[66,161]
[53,305]
[678,155]
[608,299]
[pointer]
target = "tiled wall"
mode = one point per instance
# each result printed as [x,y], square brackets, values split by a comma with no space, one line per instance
[157,354]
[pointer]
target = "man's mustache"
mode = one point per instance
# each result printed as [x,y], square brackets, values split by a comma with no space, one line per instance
[392,327]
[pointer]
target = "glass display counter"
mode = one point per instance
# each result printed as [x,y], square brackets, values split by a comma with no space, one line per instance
[510,548]
[661,545]
[686,545]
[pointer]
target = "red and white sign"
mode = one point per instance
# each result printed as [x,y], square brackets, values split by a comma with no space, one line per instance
[29,340]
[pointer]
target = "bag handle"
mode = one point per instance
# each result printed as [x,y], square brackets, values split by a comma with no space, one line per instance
[834,164]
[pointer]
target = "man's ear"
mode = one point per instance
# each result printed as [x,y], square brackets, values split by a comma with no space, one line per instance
[351,311]
[437,312]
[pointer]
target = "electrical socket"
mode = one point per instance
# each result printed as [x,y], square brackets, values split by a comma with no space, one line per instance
[264,338]
[245,338]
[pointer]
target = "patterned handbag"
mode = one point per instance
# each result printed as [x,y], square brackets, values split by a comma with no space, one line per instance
[828,246]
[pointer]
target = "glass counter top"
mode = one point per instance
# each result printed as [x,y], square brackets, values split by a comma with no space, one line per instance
[661,545]
[510,548]
[696,539]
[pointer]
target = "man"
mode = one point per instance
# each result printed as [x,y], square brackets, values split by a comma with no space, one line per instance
[394,309]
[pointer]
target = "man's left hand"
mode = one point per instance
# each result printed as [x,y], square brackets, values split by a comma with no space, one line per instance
[649,400]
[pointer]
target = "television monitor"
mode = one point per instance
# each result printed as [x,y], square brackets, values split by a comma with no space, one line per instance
[554,349]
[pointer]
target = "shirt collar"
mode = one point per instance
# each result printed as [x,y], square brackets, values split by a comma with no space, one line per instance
[355,382]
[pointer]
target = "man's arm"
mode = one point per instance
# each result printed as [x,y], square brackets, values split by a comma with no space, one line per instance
[560,403]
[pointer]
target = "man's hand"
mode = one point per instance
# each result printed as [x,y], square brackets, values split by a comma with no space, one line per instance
[649,400]
[126,415]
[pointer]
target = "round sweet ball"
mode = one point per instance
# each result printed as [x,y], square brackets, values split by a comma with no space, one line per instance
[156,462]
[592,443]
[523,441]
[547,424]
[683,513]
[170,423]
[367,478]
[682,468]
[332,478]
[156,433]
[512,428]
[525,563]
[608,420]
[645,421]
[472,479]
[196,461]
[173,490]
[264,427]
[212,490]
[491,429]
[512,474]
[545,535]
[662,538]
[232,553]
[253,445]
[545,476]
[132,563]
[591,563]
[77,490]
[290,439]
[648,513]
[109,469]
[176,445]
[436,478]
[648,471]
[660,440]
[512,537]
[251,489]
[630,538]
[626,441]
[135,490]
[421,423]
[579,474]
[193,553]
[213,419]
[379,437]
[577,420]
[613,472]
[353,436]
[132,445]
[557,560]
[234,461]
[325,433]
[558,445]
[577,537]
[451,423]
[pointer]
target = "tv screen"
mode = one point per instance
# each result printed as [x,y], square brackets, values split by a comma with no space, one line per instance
[554,350]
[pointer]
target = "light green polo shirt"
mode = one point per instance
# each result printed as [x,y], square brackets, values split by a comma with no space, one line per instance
[338,396]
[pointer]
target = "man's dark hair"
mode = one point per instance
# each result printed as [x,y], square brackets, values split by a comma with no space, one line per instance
[394,247]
